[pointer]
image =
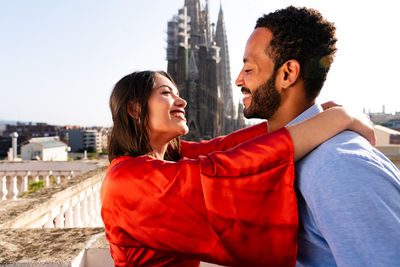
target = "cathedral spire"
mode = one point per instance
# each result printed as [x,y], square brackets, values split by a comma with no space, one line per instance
[198,59]
[204,39]
[193,71]
[224,66]
[206,23]
[193,11]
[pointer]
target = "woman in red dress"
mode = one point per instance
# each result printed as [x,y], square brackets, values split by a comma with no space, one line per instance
[229,201]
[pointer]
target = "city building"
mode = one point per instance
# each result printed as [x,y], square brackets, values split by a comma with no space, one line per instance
[2,128]
[198,61]
[393,124]
[388,142]
[104,138]
[80,139]
[45,148]
[27,131]
[5,144]
[92,140]
[386,119]
[74,139]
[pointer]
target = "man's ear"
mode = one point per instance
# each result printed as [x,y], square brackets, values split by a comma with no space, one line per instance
[290,72]
[133,109]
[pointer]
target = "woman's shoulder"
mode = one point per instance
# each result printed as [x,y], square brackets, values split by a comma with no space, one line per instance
[139,166]
[122,164]
[122,172]
[124,161]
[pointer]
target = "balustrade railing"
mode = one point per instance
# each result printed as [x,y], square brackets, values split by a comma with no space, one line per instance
[13,184]
[81,210]
[75,206]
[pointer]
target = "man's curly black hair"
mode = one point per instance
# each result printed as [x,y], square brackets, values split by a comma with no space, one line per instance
[304,35]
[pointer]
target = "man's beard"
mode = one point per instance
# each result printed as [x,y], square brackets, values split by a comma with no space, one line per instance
[265,100]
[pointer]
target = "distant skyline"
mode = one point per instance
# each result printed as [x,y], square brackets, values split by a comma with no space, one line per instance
[60,59]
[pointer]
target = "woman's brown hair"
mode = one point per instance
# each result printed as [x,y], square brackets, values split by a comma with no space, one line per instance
[129,136]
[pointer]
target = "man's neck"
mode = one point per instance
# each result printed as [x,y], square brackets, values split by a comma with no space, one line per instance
[285,115]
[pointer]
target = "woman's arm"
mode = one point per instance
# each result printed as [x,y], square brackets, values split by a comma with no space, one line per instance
[306,135]
[310,133]
[192,150]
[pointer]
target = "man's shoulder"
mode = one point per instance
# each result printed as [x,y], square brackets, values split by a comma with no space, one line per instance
[340,148]
[344,158]
[348,195]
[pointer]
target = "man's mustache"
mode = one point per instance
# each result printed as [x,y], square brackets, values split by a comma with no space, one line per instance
[246,90]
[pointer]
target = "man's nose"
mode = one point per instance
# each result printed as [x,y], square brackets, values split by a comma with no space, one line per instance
[239,80]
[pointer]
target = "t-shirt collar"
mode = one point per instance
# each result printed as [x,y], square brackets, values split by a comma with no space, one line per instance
[309,113]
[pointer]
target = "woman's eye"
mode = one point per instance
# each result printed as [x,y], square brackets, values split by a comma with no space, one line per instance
[166,92]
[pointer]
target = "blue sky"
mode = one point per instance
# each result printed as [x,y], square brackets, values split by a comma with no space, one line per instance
[60,59]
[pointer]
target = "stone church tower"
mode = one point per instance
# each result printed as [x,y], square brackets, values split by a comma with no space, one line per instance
[198,60]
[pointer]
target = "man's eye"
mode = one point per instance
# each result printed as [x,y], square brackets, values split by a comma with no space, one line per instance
[247,71]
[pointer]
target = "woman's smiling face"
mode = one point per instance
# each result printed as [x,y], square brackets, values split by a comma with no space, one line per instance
[166,110]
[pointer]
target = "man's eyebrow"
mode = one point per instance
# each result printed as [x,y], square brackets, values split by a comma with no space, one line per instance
[245,59]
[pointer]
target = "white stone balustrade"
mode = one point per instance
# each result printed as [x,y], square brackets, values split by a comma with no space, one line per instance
[75,206]
[3,189]
[85,213]
[14,184]
[14,189]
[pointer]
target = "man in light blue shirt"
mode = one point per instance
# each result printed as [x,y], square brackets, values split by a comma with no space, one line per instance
[348,192]
[349,203]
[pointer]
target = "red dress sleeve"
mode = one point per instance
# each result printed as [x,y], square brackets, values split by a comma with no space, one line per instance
[193,149]
[236,207]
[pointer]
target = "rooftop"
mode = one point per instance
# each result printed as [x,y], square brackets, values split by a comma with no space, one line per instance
[386,129]
[47,142]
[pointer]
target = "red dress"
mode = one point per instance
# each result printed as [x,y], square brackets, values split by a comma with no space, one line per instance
[235,206]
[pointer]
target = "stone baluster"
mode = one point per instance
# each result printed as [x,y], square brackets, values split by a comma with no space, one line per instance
[69,219]
[50,222]
[71,174]
[3,187]
[58,178]
[77,214]
[91,207]
[94,206]
[92,210]
[24,185]
[60,218]
[47,179]
[14,188]
[36,179]
[84,209]
[97,201]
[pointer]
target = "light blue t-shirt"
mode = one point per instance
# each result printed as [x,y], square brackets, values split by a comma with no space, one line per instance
[349,204]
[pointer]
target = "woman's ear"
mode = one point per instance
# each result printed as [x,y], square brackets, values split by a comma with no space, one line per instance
[133,109]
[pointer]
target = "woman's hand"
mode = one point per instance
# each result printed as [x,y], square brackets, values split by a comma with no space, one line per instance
[329,104]
[364,126]
[358,123]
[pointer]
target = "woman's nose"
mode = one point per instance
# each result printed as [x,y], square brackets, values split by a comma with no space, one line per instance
[180,102]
